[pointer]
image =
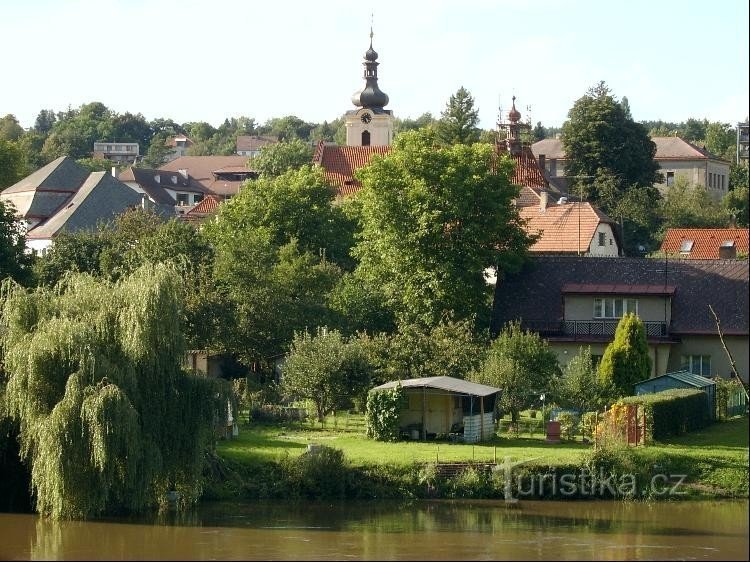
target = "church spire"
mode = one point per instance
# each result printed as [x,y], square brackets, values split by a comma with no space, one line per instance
[371,96]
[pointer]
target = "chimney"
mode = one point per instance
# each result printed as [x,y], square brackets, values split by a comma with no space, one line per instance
[157,178]
[114,171]
[183,172]
[543,201]
[542,162]
[728,251]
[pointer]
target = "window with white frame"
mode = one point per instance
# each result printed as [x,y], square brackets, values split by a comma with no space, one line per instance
[697,364]
[614,307]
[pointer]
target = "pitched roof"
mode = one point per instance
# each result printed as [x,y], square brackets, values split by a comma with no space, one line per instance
[340,162]
[209,205]
[675,148]
[683,376]
[551,148]
[146,180]
[40,194]
[100,198]
[450,384]
[201,169]
[254,142]
[172,141]
[565,227]
[706,241]
[667,148]
[534,295]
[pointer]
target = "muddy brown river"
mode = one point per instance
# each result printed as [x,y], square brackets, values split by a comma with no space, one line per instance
[434,530]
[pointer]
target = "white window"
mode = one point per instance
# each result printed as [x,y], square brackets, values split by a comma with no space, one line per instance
[614,307]
[182,199]
[686,246]
[697,364]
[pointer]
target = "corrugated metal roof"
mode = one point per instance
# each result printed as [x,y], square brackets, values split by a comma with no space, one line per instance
[450,384]
[684,376]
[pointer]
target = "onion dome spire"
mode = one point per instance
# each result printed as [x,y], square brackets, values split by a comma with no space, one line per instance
[371,96]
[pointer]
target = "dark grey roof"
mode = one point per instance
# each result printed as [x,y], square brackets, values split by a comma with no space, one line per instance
[535,294]
[684,376]
[450,384]
[157,190]
[99,199]
[43,192]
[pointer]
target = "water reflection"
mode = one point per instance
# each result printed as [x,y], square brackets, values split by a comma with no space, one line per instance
[422,530]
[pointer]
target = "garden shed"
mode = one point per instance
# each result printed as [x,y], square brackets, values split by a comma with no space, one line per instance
[680,379]
[446,406]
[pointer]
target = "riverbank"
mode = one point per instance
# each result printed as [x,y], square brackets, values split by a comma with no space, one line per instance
[267,461]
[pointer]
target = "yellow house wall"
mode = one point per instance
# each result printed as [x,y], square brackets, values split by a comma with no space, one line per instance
[650,309]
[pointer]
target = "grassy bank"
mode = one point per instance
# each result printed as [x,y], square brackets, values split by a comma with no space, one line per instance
[267,461]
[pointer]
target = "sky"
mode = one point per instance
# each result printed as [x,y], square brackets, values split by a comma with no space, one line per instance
[208,60]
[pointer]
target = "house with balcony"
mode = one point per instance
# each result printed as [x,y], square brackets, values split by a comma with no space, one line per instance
[578,301]
[119,152]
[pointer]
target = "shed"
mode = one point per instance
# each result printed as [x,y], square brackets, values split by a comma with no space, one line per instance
[446,405]
[680,379]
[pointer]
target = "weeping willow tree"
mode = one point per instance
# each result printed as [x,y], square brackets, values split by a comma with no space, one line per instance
[108,420]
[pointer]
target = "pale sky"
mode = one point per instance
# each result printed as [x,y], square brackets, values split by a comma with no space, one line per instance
[206,60]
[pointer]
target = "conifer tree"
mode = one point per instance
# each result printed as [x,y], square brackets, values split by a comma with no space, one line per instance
[459,121]
[626,360]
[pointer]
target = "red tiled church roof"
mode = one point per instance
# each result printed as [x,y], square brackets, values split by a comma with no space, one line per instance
[340,162]
[706,241]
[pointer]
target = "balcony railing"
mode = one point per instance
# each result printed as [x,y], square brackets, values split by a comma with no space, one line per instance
[582,329]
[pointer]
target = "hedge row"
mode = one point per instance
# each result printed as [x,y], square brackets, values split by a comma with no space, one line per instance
[673,412]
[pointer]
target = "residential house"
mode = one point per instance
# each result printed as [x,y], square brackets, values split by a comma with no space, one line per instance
[220,175]
[179,145]
[174,190]
[40,195]
[444,406]
[64,196]
[99,199]
[120,152]
[706,243]
[250,145]
[675,156]
[578,301]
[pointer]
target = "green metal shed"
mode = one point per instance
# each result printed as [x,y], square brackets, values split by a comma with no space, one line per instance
[680,379]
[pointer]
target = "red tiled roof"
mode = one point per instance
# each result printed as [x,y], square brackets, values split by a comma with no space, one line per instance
[209,204]
[340,162]
[706,241]
[527,172]
[559,225]
[617,289]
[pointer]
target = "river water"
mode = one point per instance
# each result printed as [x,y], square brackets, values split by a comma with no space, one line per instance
[436,530]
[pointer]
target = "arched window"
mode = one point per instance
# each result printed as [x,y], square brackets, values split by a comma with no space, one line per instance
[365,138]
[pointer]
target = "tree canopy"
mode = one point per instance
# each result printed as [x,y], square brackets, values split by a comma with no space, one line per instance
[459,121]
[433,218]
[14,261]
[521,364]
[279,158]
[108,421]
[626,360]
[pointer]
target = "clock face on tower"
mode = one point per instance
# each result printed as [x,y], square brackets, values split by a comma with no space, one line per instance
[366,118]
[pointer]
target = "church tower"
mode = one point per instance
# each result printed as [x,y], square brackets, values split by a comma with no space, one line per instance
[369,124]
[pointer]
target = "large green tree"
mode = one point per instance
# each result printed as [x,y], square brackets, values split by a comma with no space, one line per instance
[433,218]
[611,161]
[10,129]
[459,121]
[626,360]
[279,158]
[325,369]
[579,385]
[108,420]
[691,206]
[522,365]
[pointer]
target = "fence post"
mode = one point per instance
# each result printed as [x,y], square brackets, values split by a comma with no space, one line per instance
[495,454]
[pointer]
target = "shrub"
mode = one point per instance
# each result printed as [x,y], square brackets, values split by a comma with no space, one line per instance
[588,424]
[317,474]
[383,412]
[672,412]
[568,424]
